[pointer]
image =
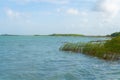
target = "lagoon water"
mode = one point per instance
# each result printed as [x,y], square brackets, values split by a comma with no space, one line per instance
[39,58]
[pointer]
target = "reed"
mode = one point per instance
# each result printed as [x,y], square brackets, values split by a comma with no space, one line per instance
[109,50]
[74,47]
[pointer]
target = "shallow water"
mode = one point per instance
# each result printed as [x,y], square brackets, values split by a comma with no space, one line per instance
[39,58]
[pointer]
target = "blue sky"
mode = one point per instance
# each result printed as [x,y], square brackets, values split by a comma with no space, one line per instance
[90,17]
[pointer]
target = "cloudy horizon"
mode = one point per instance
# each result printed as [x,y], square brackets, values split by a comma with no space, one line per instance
[89,17]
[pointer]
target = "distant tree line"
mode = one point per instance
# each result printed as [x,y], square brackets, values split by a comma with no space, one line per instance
[115,34]
[66,35]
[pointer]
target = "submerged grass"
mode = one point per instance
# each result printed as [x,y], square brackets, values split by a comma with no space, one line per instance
[109,50]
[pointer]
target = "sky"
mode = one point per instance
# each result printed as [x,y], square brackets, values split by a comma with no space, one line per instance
[89,17]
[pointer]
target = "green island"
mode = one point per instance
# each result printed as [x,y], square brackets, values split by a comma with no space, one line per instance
[66,35]
[8,35]
[106,49]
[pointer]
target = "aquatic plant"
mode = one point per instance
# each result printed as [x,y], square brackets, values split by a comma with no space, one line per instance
[75,47]
[109,50]
[113,45]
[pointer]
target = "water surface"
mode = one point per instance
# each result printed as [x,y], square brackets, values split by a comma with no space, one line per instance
[39,58]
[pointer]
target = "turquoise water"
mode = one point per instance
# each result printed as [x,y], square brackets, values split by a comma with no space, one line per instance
[39,58]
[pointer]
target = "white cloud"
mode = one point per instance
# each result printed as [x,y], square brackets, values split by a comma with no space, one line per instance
[72,11]
[109,7]
[15,15]
[56,1]
[12,14]
[48,1]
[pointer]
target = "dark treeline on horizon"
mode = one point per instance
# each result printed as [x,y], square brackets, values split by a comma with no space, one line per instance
[110,35]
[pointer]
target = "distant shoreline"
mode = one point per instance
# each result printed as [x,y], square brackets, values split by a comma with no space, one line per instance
[64,35]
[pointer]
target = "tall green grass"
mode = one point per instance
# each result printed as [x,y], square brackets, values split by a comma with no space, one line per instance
[109,50]
[74,47]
